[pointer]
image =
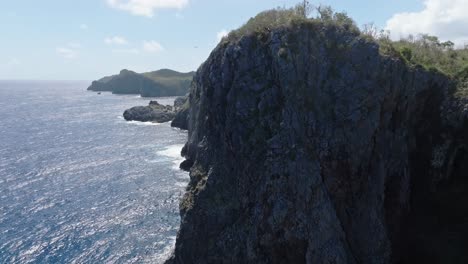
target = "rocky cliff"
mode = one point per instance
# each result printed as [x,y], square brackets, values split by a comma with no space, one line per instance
[306,145]
[181,118]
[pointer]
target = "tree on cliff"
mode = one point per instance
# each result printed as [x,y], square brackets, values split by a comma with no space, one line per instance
[304,9]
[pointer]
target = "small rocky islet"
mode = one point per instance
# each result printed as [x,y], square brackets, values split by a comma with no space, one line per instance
[158,113]
[154,112]
[160,83]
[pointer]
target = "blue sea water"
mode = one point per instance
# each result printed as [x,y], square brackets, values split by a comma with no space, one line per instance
[78,184]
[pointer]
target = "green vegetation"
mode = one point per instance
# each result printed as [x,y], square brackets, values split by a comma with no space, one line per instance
[178,82]
[283,17]
[429,52]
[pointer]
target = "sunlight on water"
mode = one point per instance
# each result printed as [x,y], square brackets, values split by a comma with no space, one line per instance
[78,185]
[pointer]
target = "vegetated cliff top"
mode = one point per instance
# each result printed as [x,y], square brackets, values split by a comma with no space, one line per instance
[423,50]
[171,78]
[163,82]
[163,76]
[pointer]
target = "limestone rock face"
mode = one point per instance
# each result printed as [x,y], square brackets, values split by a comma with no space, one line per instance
[154,112]
[307,146]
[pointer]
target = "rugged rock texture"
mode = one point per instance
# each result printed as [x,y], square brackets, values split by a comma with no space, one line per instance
[180,101]
[308,146]
[152,84]
[154,112]
[181,105]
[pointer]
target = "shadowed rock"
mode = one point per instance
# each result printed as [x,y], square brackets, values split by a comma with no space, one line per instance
[181,104]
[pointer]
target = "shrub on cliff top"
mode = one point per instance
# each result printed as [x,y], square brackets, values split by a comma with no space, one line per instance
[424,50]
[429,52]
[281,17]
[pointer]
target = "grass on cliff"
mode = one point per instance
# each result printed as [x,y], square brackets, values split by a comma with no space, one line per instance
[283,17]
[429,52]
[176,80]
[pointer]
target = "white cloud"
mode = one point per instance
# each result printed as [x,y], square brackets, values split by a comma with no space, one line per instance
[116,40]
[84,26]
[220,35]
[146,7]
[152,46]
[446,19]
[126,51]
[67,53]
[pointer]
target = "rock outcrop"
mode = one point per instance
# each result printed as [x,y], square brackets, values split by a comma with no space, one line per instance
[181,104]
[154,112]
[152,84]
[306,145]
[180,101]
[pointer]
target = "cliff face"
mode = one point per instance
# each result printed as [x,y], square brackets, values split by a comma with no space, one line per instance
[308,146]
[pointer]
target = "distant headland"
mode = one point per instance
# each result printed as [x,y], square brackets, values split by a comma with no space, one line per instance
[158,83]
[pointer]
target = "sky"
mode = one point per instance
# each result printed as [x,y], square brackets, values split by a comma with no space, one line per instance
[89,39]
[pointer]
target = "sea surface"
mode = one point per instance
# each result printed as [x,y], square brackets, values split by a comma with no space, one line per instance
[78,184]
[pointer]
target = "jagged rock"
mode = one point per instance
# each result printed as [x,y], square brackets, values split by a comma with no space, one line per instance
[186,165]
[180,101]
[181,105]
[154,112]
[308,146]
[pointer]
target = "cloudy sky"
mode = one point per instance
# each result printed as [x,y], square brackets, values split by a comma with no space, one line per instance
[87,39]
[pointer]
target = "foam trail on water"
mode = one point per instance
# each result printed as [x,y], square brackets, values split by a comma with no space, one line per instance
[138,123]
[173,152]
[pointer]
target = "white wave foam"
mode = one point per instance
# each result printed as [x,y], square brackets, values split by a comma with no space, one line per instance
[138,123]
[166,252]
[173,152]
[182,184]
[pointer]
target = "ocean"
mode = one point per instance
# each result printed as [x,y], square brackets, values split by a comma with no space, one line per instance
[79,184]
